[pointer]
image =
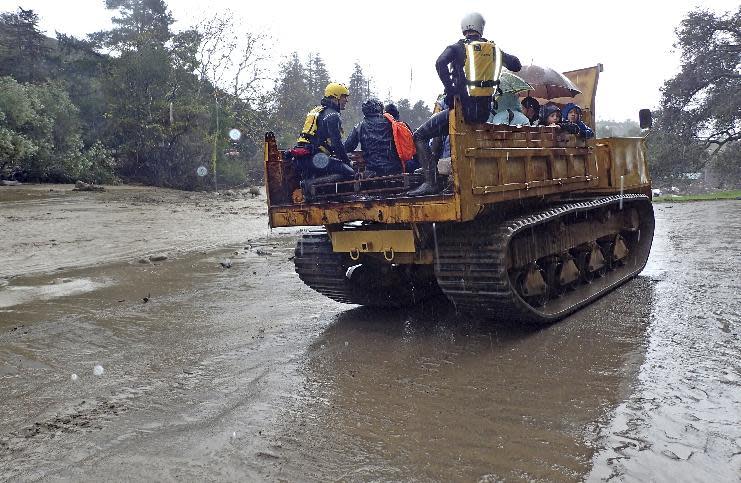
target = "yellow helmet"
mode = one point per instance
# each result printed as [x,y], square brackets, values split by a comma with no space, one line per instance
[336,90]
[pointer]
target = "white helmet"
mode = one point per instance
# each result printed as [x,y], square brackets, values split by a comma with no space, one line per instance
[473,21]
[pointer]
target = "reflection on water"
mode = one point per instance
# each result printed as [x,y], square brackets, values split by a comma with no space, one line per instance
[424,394]
[682,421]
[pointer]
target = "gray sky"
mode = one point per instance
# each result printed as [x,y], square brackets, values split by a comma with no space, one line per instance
[392,39]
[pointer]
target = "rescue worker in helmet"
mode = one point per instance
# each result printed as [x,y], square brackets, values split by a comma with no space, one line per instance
[319,146]
[375,136]
[470,70]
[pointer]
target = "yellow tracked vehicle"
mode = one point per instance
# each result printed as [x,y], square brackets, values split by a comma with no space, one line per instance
[535,222]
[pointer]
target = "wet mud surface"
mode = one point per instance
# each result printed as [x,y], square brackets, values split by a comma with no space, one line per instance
[185,369]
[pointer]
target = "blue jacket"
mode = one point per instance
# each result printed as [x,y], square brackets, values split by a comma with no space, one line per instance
[584,130]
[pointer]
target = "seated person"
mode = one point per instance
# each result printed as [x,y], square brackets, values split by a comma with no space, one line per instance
[374,133]
[531,108]
[391,108]
[550,115]
[319,152]
[571,114]
[508,111]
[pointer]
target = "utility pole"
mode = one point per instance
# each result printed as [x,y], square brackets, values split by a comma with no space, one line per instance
[216,139]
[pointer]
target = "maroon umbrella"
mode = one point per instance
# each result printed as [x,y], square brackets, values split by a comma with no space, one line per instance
[547,83]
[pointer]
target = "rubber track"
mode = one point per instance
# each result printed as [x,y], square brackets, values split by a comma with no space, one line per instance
[325,271]
[322,269]
[471,268]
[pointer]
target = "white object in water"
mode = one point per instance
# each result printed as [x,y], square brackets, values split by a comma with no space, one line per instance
[234,134]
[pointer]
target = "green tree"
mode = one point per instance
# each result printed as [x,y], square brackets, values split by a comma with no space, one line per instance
[40,136]
[17,116]
[418,114]
[360,91]
[701,105]
[609,128]
[290,100]
[156,120]
[82,68]
[670,154]
[140,23]
[317,76]
[23,48]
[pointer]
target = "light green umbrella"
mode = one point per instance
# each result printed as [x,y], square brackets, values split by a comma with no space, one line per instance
[509,82]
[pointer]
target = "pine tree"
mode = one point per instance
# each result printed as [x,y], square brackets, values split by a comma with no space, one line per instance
[291,100]
[317,76]
[24,53]
[140,23]
[360,91]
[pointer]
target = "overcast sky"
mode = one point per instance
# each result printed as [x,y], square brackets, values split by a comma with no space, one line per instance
[397,42]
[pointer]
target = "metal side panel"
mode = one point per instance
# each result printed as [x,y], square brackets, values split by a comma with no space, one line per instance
[373,241]
[431,209]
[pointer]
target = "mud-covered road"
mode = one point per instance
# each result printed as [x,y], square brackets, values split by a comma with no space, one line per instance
[116,367]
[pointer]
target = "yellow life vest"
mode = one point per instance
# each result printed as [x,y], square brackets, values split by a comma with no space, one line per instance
[482,68]
[308,132]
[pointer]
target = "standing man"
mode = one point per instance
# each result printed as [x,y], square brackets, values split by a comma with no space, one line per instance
[468,69]
[319,150]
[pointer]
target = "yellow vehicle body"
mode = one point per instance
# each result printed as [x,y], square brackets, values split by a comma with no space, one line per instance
[490,164]
[494,168]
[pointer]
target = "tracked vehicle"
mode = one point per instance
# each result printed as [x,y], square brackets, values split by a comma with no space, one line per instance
[533,225]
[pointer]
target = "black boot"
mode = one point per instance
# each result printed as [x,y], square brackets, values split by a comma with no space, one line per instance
[424,154]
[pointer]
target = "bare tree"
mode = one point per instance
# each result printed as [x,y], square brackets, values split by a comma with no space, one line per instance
[233,60]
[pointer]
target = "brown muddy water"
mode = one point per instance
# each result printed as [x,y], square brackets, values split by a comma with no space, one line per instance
[245,373]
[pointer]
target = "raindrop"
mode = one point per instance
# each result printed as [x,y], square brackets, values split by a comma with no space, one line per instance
[98,370]
[73,377]
[235,134]
[201,171]
[347,343]
[322,346]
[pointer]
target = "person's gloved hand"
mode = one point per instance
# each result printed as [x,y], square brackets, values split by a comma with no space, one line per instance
[570,127]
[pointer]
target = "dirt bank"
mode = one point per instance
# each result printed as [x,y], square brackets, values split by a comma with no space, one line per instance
[51,227]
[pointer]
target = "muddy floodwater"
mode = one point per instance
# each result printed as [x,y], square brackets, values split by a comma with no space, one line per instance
[215,362]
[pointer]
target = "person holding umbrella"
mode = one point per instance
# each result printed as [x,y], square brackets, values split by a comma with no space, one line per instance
[507,108]
[469,69]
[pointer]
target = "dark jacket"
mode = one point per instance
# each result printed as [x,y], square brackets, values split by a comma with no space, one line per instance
[450,68]
[329,126]
[546,111]
[584,130]
[377,141]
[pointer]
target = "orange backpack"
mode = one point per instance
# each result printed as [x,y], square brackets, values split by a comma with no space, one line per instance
[403,140]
